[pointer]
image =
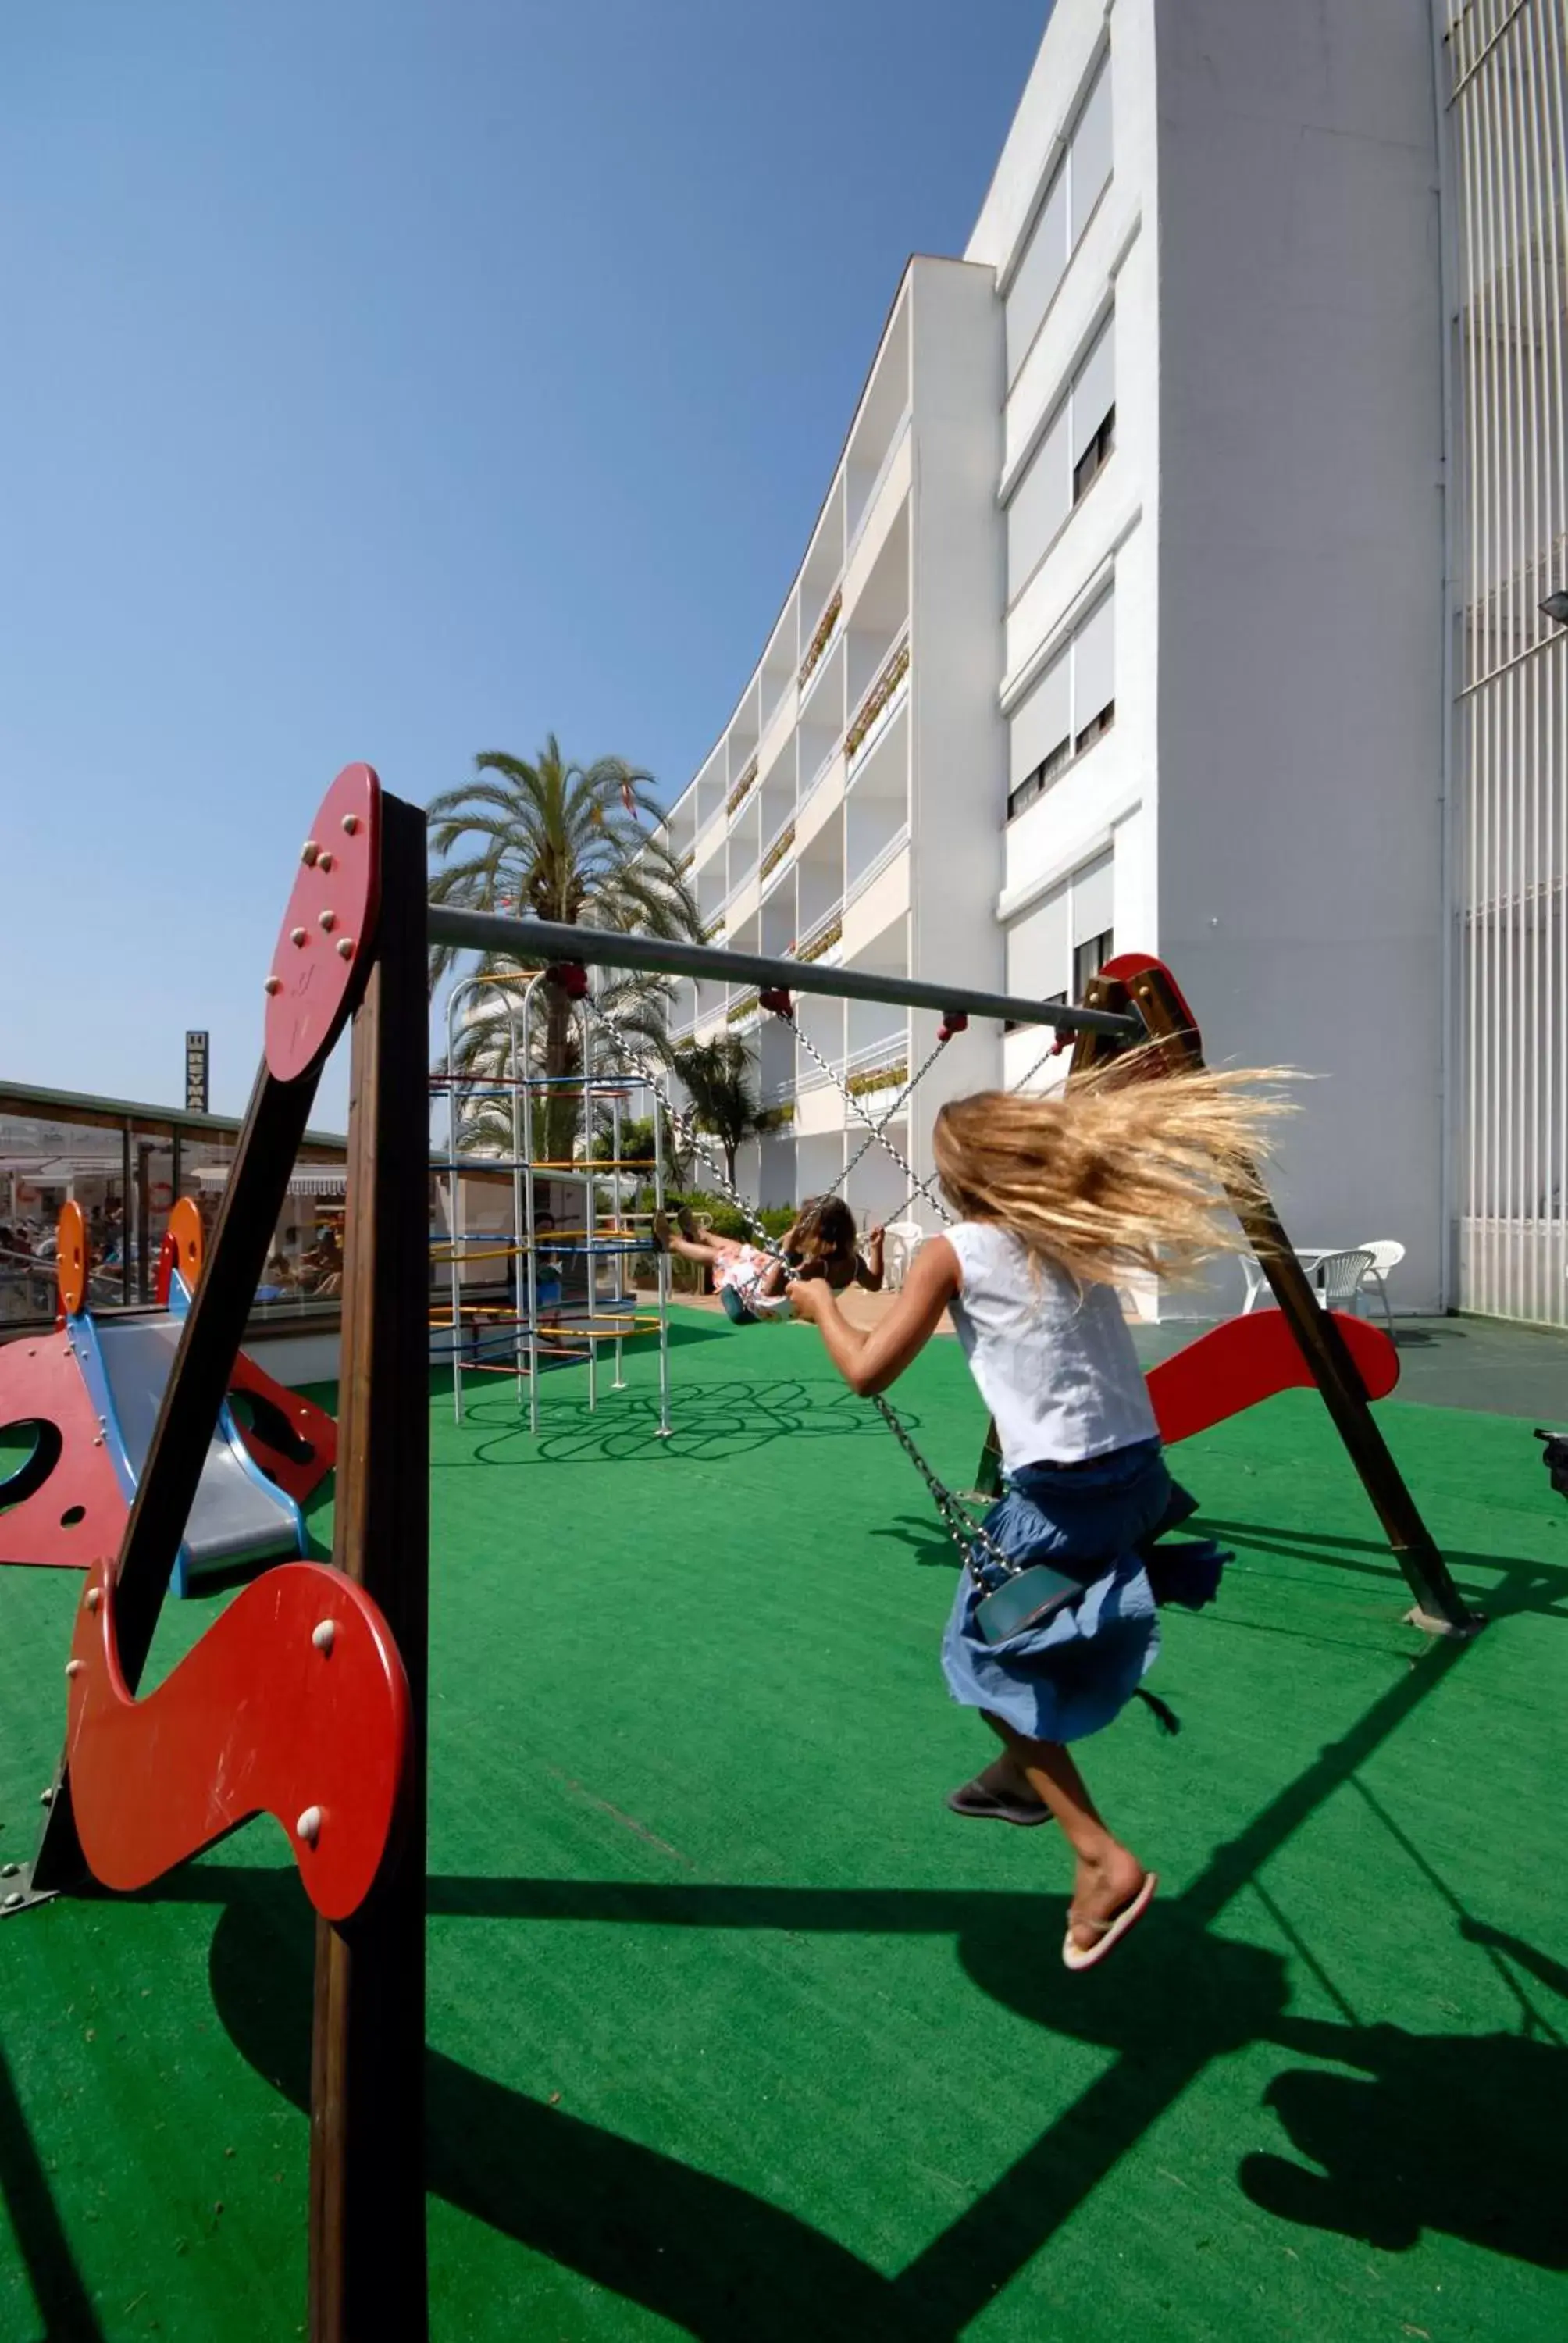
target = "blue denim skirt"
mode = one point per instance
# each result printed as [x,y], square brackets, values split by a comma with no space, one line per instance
[1074,1673]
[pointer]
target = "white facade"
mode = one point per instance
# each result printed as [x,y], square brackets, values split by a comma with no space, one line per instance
[1181,416]
[848,811]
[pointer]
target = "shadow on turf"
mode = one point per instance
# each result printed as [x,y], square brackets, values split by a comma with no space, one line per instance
[58,2293]
[932,1548]
[1519,1585]
[709,1423]
[1450,2133]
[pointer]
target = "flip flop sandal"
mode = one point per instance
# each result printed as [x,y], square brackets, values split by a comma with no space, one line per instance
[982,1805]
[1085,1956]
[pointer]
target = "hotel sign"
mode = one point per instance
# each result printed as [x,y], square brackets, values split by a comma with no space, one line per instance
[196,1073]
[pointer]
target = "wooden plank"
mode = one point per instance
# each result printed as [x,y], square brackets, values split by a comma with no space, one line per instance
[367,2261]
[1439,1606]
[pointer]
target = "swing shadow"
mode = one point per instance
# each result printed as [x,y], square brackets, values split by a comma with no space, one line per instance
[1428,2140]
[1521,1584]
[58,2292]
[1450,2133]
[932,1549]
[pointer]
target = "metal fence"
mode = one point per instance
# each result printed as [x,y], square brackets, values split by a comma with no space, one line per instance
[1503,97]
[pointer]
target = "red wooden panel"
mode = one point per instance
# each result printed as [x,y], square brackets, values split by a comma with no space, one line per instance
[72,1509]
[1246,1359]
[294,1703]
[299,1475]
[322,945]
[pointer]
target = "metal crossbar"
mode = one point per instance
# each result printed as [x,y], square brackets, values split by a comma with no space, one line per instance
[551,940]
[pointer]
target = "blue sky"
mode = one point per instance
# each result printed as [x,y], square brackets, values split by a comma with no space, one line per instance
[397,379]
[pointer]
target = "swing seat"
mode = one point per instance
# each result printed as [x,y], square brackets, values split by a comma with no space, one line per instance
[1027,1600]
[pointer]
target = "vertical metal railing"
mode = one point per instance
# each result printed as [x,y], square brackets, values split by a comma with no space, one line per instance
[1504,101]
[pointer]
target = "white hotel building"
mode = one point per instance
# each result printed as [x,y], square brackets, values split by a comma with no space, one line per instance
[1155,603]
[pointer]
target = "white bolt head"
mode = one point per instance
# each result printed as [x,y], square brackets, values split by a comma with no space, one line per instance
[309,1826]
[95,1596]
[309,851]
[350,824]
[13,1898]
[45,1797]
[326,921]
[345,947]
[324,1634]
[297,935]
[75,1667]
[274,984]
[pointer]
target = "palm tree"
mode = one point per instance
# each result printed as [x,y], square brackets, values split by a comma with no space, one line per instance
[560,841]
[718,1079]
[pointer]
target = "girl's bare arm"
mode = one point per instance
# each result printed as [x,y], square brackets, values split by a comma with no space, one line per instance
[870,1363]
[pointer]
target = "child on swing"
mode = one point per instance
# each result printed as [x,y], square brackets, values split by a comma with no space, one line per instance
[752,1285]
[1056,1197]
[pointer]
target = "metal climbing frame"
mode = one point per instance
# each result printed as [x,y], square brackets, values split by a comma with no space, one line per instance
[521,1330]
[618,1244]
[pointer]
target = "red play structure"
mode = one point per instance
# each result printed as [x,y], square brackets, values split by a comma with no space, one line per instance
[68,1502]
[306,1698]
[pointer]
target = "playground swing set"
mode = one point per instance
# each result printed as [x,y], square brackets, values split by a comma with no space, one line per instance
[307,1698]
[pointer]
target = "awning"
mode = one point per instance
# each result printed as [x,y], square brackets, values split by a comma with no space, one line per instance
[302,1183]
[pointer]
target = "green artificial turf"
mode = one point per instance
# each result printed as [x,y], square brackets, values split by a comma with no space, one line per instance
[735,2032]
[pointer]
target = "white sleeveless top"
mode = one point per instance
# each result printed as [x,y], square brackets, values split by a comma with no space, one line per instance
[1056,1367]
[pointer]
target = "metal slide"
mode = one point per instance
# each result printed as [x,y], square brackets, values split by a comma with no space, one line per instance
[238,1514]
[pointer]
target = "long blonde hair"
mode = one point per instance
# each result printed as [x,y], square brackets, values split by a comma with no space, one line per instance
[1124,1167]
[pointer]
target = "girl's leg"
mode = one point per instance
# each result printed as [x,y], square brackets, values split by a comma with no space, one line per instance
[712,1251]
[1108,1874]
[1005,1776]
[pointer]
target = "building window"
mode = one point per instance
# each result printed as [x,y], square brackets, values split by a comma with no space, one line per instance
[1076,186]
[1089,155]
[1097,724]
[1068,710]
[1094,458]
[1089,959]
[1035,785]
[1072,450]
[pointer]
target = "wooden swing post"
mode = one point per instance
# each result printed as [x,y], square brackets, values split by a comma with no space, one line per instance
[1134,980]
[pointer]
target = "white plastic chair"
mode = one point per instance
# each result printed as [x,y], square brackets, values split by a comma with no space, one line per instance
[1337,1277]
[1386,1253]
[902,1240]
[1258,1289]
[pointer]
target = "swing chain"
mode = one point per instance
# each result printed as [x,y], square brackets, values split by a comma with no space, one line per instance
[979,1549]
[686,1131]
[876,1130]
[974,1542]
[879,1131]
[1013,1091]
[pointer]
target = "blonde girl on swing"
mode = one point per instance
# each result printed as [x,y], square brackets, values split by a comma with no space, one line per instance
[1058,1198]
